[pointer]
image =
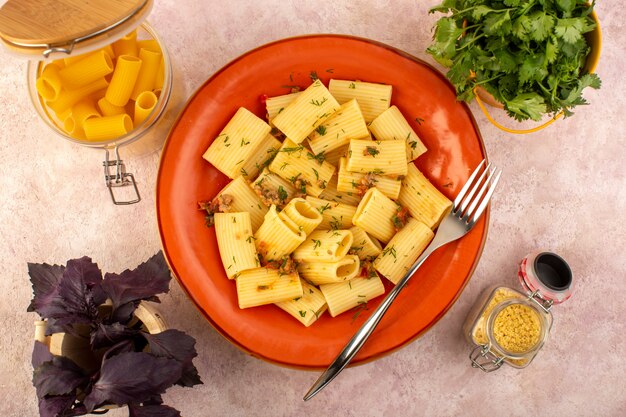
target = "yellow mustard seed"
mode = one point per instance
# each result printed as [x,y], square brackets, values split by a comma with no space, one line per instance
[517,328]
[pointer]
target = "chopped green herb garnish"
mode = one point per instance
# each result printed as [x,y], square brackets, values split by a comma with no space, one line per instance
[321,130]
[352,86]
[316,243]
[318,102]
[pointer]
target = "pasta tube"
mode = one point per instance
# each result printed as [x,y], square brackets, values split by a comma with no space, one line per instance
[330,193]
[332,157]
[277,236]
[381,157]
[324,246]
[49,82]
[244,199]
[235,242]
[403,250]
[347,123]
[318,273]
[105,128]
[260,286]
[306,112]
[334,215]
[67,98]
[108,109]
[373,98]
[391,125]
[261,158]
[364,245]
[375,213]
[237,142]
[308,308]
[276,105]
[272,189]
[344,296]
[85,71]
[144,105]
[124,79]
[302,214]
[422,199]
[297,165]
[150,61]
[126,45]
[359,183]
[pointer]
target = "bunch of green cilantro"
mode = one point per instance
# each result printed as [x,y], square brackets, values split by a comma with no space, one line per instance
[529,54]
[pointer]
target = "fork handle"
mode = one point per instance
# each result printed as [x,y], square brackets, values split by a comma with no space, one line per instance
[358,340]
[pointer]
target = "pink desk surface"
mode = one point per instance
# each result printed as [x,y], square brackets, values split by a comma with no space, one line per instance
[562,189]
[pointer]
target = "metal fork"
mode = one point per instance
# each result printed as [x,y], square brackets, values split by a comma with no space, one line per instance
[466,209]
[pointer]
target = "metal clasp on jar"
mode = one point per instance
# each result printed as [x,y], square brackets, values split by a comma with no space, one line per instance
[492,362]
[120,178]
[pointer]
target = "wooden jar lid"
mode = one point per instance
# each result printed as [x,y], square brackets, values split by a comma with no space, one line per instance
[34,27]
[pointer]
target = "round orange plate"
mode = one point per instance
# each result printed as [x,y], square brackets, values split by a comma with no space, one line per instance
[426,99]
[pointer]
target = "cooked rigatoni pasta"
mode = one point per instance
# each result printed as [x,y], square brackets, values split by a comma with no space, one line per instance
[272,189]
[373,98]
[308,308]
[67,98]
[318,273]
[334,215]
[261,157]
[422,199]
[380,157]
[123,81]
[302,214]
[324,246]
[298,165]
[277,236]
[245,199]
[347,123]
[344,296]
[310,109]
[403,250]
[49,82]
[150,61]
[260,286]
[375,213]
[144,105]
[330,193]
[356,182]
[391,125]
[235,242]
[105,128]
[85,71]
[276,105]
[333,156]
[364,245]
[108,109]
[237,142]
[126,45]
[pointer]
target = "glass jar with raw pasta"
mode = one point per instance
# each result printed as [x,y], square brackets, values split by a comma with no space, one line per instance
[98,76]
[509,326]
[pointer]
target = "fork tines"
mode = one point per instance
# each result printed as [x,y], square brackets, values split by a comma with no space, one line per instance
[476,193]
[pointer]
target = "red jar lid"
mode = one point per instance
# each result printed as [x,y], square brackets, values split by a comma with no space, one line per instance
[548,275]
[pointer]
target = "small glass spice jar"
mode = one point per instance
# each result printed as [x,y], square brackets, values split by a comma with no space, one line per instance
[509,326]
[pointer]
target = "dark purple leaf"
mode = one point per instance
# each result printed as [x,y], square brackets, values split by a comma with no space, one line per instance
[57,377]
[121,347]
[74,289]
[41,354]
[110,334]
[53,406]
[152,411]
[190,376]
[45,280]
[147,280]
[172,343]
[132,377]
[53,326]
[123,313]
[175,344]
[87,271]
